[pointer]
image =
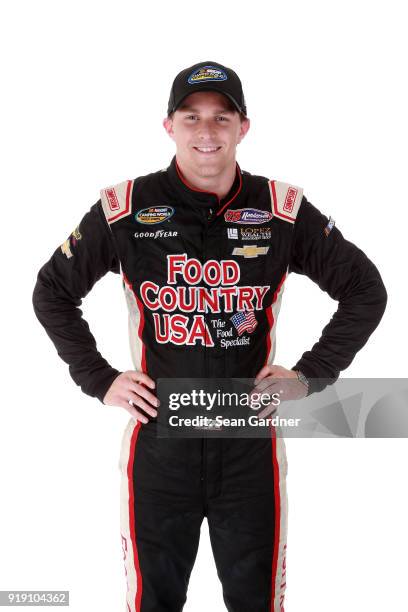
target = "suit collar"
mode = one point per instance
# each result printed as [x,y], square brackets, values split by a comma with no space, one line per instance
[202,198]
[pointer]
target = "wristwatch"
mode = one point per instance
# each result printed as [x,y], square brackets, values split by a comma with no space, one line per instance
[303,379]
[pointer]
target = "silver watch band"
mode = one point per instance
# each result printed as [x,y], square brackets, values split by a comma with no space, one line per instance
[303,379]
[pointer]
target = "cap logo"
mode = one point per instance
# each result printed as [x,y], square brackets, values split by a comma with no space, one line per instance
[207,73]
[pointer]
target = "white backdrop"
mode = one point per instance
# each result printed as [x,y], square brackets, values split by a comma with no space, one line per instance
[85,89]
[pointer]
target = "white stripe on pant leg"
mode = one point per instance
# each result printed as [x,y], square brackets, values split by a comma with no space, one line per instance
[280,581]
[130,569]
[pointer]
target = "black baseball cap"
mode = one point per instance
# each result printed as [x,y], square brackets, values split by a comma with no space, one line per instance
[207,76]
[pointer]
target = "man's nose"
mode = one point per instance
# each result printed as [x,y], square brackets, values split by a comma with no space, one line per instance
[206,128]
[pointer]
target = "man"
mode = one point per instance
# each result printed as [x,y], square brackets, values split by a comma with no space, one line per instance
[204,249]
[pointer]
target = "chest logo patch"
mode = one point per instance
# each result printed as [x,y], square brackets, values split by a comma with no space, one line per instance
[244,322]
[154,214]
[255,233]
[250,216]
[207,73]
[250,250]
[232,232]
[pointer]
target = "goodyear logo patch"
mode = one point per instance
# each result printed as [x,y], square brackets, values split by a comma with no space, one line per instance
[247,216]
[154,214]
[207,73]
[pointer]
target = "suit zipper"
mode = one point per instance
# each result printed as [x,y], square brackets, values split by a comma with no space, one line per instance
[207,218]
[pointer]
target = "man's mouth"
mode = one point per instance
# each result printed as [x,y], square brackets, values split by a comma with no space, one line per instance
[207,150]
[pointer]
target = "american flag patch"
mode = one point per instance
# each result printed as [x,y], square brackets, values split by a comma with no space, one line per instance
[244,321]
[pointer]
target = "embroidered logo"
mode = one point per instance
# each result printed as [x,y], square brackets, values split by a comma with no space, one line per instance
[329,227]
[250,250]
[156,234]
[290,199]
[154,214]
[232,232]
[255,233]
[71,241]
[248,216]
[207,73]
[112,199]
[244,321]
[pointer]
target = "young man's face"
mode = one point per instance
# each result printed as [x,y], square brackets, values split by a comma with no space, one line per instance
[206,132]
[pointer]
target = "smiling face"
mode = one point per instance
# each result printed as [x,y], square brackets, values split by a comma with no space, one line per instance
[206,129]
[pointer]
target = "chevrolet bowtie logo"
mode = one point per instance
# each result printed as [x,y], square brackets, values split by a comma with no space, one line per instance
[250,250]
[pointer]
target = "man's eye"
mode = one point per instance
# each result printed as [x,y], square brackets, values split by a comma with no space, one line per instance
[221,118]
[191,116]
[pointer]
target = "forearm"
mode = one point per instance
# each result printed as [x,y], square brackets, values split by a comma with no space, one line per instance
[73,340]
[350,327]
[342,270]
[62,282]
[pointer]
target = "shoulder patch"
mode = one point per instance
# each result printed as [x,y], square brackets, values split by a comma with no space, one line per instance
[67,247]
[117,201]
[285,200]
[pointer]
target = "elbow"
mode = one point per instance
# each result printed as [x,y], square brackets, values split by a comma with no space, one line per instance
[384,296]
[377,302]
[383,300]
[36,298]
[381,295]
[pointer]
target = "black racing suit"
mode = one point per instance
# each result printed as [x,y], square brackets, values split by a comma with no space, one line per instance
[203,280]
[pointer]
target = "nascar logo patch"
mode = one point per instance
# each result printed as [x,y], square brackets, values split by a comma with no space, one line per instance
[154,214]
[248,216]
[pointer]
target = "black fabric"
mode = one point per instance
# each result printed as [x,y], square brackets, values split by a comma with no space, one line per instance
[203,199]
[61,284]
[178,482]
[342,270]
[334,263]
[229,85]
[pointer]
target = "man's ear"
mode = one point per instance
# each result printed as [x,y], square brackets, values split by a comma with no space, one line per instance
[245,125]
[168,126]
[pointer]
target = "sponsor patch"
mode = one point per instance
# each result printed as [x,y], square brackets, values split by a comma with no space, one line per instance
[290,199]
[244,321]
[182,303]
[255,233]
[71,242]
[66,249]
[154,214]
[248,216]
[329,227]
[232,232]
[76,235]
[112,199]
[156,234]
[207,73]
[250,250]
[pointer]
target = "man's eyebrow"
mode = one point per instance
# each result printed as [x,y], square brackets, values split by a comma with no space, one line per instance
[185,107]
